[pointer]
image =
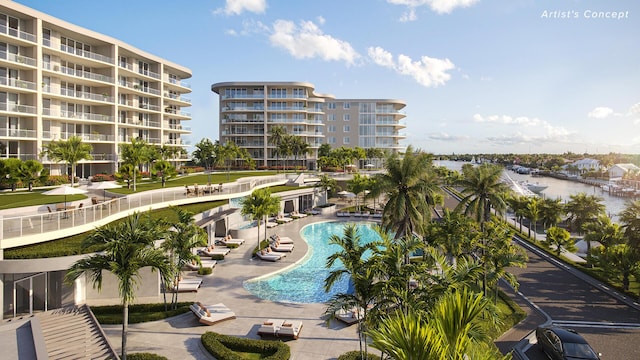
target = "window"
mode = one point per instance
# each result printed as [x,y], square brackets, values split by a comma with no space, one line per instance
[346,128]
[278,93]
[346,105]
[331,105]
[346,117]
[331,117]
[299,93]
[331,140]
[346,140]
[331,128]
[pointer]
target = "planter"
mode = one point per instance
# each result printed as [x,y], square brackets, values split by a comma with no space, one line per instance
[329,209]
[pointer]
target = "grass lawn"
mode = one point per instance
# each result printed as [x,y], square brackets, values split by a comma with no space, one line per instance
[11,200]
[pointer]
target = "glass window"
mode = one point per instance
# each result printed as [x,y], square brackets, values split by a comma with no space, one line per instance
[346,105]
[331,117]
[331,105]
[346,128]
[346,140]
[346,117]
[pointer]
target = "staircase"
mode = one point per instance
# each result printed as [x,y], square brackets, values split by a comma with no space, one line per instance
[74,333]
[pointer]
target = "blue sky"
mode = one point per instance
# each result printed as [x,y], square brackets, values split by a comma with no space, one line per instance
[478,76]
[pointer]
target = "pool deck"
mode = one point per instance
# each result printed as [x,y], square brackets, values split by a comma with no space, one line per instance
[179,337]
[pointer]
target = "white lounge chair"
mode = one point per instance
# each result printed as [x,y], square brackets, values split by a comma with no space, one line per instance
[203,263]
[281,247]
[270,327]
[187,285]
[226,241]
[211,314]
[214,251]
[348,317]
[283,219]
[282,239]
[289,329]
[271,224]
[269,256]
[297,215]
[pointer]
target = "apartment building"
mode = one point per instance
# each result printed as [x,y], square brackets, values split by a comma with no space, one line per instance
[59,80]
[248,111]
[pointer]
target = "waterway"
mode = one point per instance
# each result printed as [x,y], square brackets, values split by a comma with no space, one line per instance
[558,188]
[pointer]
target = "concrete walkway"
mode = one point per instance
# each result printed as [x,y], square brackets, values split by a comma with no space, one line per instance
[179,337]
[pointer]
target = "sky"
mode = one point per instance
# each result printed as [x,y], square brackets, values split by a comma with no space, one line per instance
[478,76]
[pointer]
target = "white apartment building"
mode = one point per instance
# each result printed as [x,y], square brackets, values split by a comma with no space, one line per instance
[58,80]
[248,110]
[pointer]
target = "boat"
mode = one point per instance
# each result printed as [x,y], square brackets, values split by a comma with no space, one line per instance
[517,187]
[535,187]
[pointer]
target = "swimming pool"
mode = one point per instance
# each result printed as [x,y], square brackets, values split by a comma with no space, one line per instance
[305,282]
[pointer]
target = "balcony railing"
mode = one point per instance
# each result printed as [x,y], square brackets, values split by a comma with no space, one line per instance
[178,82]
[148,107]
[137,122]
[26,133]
[286,108]
[22,157]
[243,96]
[176,112]
[149,73]
[287,96]
[17,33]
[77,115]
[86,54]
[242,132]
[25,109]
[179,127]
[17,83]
[57,90]
[85,74]
[177,97]
[18,59]
[49,135]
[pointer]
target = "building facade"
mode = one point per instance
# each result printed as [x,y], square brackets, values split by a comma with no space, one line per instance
[249,110]
[59,80]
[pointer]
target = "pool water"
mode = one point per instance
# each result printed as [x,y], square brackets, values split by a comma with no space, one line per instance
[305,282]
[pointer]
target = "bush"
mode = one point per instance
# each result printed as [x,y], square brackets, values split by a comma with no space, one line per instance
[205,271]
[145,356]
[355,355]
[217,257]
[103,177]
[55,180]
[138,313]
[223,347]
[232,246]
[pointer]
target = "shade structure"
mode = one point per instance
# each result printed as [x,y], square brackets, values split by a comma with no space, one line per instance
[104,185]
[65,190]
[343,193]
[369,166]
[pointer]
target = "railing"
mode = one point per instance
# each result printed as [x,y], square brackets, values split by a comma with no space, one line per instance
[26,109]
[179,127]
[17,132]
[17,83]
[77,115]
[243,96]
[176,112]
[85,74]
[20,59]
[177,97]
[23,157]
[50,220]
[52,89]
[17,33]
[86,54]
[178,82]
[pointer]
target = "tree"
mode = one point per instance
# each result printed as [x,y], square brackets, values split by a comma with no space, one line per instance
[128,247]
[603,231]
[135,154]
[328,184]
[276,135]
[583,208]
[226,153]
[482,189]
[560,238]
[324,150]
[285,148]
[454,234]
[205,153]
[361,275]
[11,172]
[32,171]
[258,206]
[127,173]
[298,147]
[619,261]
[181,238]
[519,206]
[630,219]
[551,211]
[71,151]
[358,184]
[532,212]
[165,170]
[501,255]
[408,182]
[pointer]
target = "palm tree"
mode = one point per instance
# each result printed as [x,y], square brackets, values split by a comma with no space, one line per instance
[328,184]
[583,208]
[360,273]
[181,238]
[603,231]
[519,206]
[31,171]
[560,238]
[630,219]
[532,212]
[258,206]
[70,151]
[165,170]
[276,134]
[226,153]
[135,154]
[408,183]
[551,211]
[502,255]
[482,189]
[454,234]
[619,260]
[298,147]
[357,185]
[127,249]
[285,148]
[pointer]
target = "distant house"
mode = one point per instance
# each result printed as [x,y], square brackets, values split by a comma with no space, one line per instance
[587,164]
[619,170]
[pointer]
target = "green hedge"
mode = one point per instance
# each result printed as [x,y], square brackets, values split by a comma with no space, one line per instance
[223,347]
[355,355]
[205,271]
[145,356]
[138,313]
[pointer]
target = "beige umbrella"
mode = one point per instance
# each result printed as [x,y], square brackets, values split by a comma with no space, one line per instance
[65,190]
[104,185]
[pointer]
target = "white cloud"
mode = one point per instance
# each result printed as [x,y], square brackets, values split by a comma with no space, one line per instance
[634,109]
[550,134]
[507,120]
[600,112]
[409,15]
[439,6]
[428,72]
[306,40]
[237,7]
[447,137]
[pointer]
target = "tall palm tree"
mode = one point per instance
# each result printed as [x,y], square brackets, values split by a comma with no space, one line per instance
[226,153]
[285,148]
[181,238]
[361,274]
[328,184]
[258,206]
[630,219]
[128,247]
[519,206]
[276,134]
[70,151]
[165,170]
[135,154]
[561,239]
[583,208]
[619,261]
[454,234]
[408,184]
[551,211]
[532,213]
[482,189]
[298,147]
[501,255]
[602,230]
[31,171]
[357,185]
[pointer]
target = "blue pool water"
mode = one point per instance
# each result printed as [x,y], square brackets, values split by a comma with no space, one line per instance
[305,282]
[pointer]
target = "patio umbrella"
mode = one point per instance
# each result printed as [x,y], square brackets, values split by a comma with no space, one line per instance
[343,193]
[104,185]
[369,166]
[65,190]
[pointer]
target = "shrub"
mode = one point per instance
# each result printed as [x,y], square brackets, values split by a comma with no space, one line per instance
[232,246]
[145,356]
[355,355]
[102,177]
[205,271]
[55,180]
[217,257]
[223,347]
[138,313]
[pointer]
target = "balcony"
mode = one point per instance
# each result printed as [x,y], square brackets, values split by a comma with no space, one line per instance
[17,33]
[84,74]
[176,112]
[49,135]
[103,157]
[243,108]
[286,108]
[18,59]
[177,82]
[137,87]
[177,97]
[77,115]
[17,108]
[242,119]
[137,122]
[56,90]
[287,96]
[17,83]
[86,54]
[23,133]
[23,157]
[179,127]
[227,133]
[149,107]
[243,96]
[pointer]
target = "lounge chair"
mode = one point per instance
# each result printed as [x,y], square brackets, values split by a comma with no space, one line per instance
[270,327]
[348,317]
[269,256]
[297,215]
[289,329]
[211,314]
[281,247]
[228,240]
[282,239]
[283,219]
[271,224]
[203,263]
[214,251]
[187,285]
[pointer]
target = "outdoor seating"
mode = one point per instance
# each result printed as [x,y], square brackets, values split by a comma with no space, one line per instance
[186,285]
[268,256]
[289,330]
[211,314]
[229,240]
[276,246]
[297,215]
[194,266]
[212,250]
[348,317]
[282,239]
[269,327]
[283,219]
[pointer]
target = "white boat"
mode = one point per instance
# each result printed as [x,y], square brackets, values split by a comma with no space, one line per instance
[536,187]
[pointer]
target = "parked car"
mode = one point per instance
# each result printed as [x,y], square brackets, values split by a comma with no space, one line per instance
[564,344]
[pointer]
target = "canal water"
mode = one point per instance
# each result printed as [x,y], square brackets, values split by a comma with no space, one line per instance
[558,188]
